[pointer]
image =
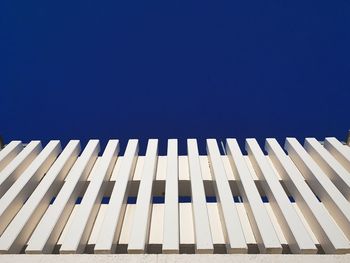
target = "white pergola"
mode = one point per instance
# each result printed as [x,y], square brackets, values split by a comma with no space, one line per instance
[291,198]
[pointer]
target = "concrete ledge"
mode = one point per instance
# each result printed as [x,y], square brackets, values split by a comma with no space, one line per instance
[147,258]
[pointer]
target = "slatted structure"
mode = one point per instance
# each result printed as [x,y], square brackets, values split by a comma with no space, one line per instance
[278,198]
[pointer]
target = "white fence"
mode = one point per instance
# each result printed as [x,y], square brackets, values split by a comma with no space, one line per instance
[280,199]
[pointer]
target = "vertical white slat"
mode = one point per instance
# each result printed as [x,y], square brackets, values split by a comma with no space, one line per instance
[9,152]
[330,196]
[187,235]
[335,171]
[18,193]
[80,229]
[265,234]
[247,229]
[17,166]
[47,232]
[155,239]
[171,210]
[339,151]
[234,237]
[18,231]
[216,227]
[98,223]
[325,229]
[204,243]
[125,230]
[112,222]
[299,240]
[140,228]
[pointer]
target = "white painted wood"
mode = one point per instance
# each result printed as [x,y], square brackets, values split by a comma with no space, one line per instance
[162,168]
[259,219]
[306,224]
[276,225]
[232,228]
[29,180]
[98,224]
[9,153]
[139,168]
[127,225]
[204,243]
[299,240]
[46,234]
[205,169]
[216,226]
[140,228]
[112,222]
[187,236]
[18,231]
[80,229]
[330,166]
[156,226]
[13,199]
[323,226]
[18,165]
[339,151]
[116,169]
[171,210]
[247,229]
[184,172]
[330,196]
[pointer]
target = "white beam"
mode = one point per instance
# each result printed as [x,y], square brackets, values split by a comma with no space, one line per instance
[13,199]
[140,228]
[80,229]
[204,243]
[171,210]
[18,231]
[260,221]
[298,238]
[112,222]
[18,165]
[339,151]
[234,237]
[323,226]
[46,234]
[335,171]
[330,196]
[9,153]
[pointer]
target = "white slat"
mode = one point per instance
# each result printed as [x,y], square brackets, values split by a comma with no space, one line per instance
[187,236]
[330,196]
[299,240]
[247,229]
[112,222]
[232,228]
[204,243]
[171,209]
[46,234]
[80,229]
[339,151]
[326,231]
[155,240]
[335,171]
[98,223]
[18,231]
[17,166]
[265,235]
[140,228]
[216,227]
[18,193]
[9,153]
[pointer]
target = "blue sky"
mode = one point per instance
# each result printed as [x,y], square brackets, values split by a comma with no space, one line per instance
[165,69]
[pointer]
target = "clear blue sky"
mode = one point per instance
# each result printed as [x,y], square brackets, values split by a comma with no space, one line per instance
[141,69]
